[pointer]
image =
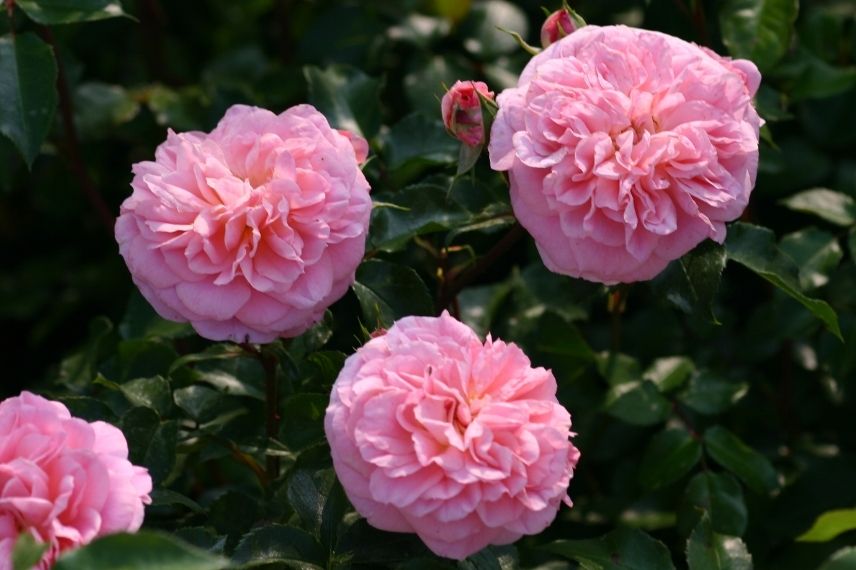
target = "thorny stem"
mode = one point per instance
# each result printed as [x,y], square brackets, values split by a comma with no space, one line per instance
[72,143]
[268,362]
[457,279]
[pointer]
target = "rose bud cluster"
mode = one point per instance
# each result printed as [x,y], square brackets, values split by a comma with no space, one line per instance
[251,231]
[63,481]
[462,112]
[461,441]
[626,148]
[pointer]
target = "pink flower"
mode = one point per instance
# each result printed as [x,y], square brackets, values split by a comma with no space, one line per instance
[63,480]
[251,231]
[462,442]
[462,114]
[557,25]
[625,149]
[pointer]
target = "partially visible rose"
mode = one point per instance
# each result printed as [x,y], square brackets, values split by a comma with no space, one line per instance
[557,25]
[63,480]
[625,149]
[252,231]
[460,441]
[361,145]
[462,113]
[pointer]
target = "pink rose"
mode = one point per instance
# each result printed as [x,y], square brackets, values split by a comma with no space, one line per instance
[251,231]
[462,114]
[462,442]
[63,480]
[625,149]
[557,25]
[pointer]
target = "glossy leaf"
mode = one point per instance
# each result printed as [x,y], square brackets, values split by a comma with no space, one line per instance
[27,88]
[347,97]
[844,559]
[829,525]
[732,453]
[707,550]
[52,12]
[691,283]
[719,497]
[707,393]
[388,291]
[638,403]
[759,30]
[279,544]
[755,247]
[670,455]
[621,549]
[27,552]
[832,206]
[145,550]
[816,253]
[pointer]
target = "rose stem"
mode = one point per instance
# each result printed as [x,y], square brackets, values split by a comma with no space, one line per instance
[72,146]
[268,361]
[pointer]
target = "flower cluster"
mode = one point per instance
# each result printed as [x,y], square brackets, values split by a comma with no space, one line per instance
[63,480]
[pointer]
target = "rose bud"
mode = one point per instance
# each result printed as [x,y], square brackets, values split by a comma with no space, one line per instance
[462,113]
[557,25]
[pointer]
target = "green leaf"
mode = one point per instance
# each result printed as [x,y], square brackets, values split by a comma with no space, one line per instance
[755,248]
[150,442]
[413,211]
[278,544]
[759,30]
[620,549]
[162,497]
[141,321]
[829,525]
[832,206]
[691,283]
[28,92]
[53,12]
[844,559]
[99,108]
[670,372]
[303,420]
[347,97]
[732,453]
[145,550]
[27,552]
[720,496]
[709,394]
[418,141]
[318,499]
[638,403]
[670,455]
[468,156]
[803,75]
[79,370]
[816,253]
[388,291]
[200,402]
[707,550]
[153,393]
[492,558]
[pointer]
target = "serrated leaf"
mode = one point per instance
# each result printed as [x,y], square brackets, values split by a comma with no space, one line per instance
[28,92]
[732,453]
[417,141]
[388,291]
[318,499]
[347,97]
[755,247]
[53,12]
[279,544]
[816,253]
[707,550]
[638,403]
[832,206]
[669,373]
[620,549]
[759,30]
[829,525]
[145,550]
[670,455]
[692,282]
[707,393]
[720,497]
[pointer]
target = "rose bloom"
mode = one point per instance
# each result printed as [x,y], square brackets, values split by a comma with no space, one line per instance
[462,442]
[251,231]
[626,148]
[557,25]
[462,113]
[63,480]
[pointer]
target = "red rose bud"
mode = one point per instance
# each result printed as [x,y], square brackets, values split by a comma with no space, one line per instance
[462,112]
[557,25]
